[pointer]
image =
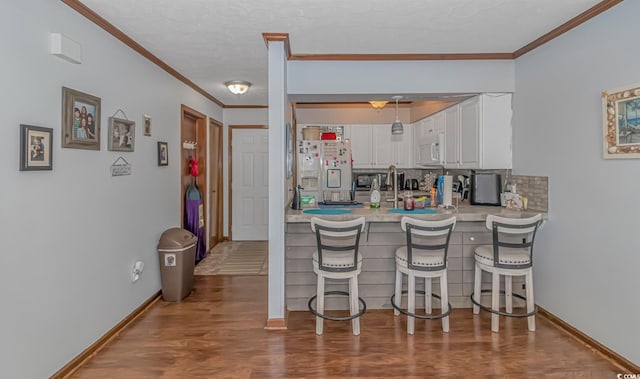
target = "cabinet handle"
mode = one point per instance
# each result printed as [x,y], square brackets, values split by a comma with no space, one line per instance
[472,238]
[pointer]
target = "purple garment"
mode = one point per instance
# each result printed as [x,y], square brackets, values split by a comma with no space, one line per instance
[192,224]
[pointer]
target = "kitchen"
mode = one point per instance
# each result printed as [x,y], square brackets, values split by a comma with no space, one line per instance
[466,141]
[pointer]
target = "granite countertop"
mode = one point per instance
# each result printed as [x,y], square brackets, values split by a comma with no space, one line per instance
[464,212]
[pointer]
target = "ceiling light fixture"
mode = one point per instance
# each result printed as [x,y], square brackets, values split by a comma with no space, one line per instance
[238,87]
[396,127]
[378,105]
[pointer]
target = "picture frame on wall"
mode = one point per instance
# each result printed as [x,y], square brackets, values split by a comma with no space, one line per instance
[289,151]
[621,122]
[121,134]
[36,148]
[147,125]
[80,120]
[163,154]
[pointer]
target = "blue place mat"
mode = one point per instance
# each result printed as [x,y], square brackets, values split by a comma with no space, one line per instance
[340,206]
[424,211]
[316,211]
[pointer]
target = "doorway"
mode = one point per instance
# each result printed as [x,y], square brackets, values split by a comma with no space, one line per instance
[193,141]
[248,182]
[215,183]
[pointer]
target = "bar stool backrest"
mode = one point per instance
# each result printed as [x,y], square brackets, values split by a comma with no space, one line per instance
[513,235]
[337,240]
[427,235]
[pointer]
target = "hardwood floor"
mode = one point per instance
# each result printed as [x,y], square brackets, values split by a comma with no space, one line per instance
[218,332]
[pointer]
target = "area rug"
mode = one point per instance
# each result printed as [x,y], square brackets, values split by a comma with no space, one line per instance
[235,258]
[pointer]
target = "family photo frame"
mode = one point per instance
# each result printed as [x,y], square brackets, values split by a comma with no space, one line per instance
[80,120]
[36,148]
[621,122]
[121,134]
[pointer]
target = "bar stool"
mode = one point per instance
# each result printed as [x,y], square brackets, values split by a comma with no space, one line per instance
[510,255]
[337,257]
[425,256]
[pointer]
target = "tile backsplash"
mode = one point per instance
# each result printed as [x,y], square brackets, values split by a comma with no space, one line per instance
[535,188]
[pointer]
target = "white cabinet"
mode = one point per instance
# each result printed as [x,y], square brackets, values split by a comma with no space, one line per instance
[373,146]
[478,133]
[451,137]
[361,145]
[469,155]
[383,151]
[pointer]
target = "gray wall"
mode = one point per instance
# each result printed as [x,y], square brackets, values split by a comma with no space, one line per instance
[586,268]
[70,236]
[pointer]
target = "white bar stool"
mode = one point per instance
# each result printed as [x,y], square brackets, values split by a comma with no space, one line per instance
[425,256]
[510,255]
[337,257]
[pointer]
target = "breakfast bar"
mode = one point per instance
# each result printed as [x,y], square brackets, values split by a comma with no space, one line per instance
[381,238]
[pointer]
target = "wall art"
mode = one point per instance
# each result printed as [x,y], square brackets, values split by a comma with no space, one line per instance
[121,134]
[163,154]
[36,148]
[80,120]
[621,122]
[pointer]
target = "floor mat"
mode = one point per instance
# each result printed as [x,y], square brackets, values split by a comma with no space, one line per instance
[236,258]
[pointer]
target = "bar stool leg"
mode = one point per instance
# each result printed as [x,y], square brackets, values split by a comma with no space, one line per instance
[495,302]
[508,290]
[319,303]
[528,280]
[444,300]
[427,295]
[398,296]
[353,299]
[477,289]
[411,299]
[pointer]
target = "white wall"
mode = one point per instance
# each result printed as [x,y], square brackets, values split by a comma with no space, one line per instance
[399,77]
[236,116]
[586,267]
[70,236]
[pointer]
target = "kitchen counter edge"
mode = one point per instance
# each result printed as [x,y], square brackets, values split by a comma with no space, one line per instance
[463,213]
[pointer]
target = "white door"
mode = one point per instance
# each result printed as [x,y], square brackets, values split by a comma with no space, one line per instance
[249,185]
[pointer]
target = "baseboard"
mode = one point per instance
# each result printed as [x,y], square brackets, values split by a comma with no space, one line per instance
[277,323]
[622,363]
[89,352]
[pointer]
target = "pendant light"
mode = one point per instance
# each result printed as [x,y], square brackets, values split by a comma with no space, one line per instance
[396,127]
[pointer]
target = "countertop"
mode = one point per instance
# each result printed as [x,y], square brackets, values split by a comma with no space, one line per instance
[464,212]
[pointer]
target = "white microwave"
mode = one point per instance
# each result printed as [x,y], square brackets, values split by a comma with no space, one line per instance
[431,150]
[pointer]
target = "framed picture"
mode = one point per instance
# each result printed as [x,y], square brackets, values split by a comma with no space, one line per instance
[289,153]
[80,120]
[147,125]
[35,148]
[621,122]
[163,154]
[121,134]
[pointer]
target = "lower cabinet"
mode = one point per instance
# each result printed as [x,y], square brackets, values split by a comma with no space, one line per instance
[376,281]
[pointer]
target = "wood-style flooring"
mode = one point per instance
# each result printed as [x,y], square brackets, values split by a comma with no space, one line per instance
[218,332]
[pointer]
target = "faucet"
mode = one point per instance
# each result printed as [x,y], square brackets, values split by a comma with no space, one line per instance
[392,180]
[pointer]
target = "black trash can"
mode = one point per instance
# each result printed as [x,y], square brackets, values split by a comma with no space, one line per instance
[177,253]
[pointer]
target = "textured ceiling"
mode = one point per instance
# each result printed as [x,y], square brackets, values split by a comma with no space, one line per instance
[213,41]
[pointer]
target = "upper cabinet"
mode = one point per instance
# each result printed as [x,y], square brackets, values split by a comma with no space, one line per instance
[478,133]
[373,146]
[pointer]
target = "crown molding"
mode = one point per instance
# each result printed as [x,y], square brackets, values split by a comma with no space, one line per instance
[560,30]
[118,34]
[284,37]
